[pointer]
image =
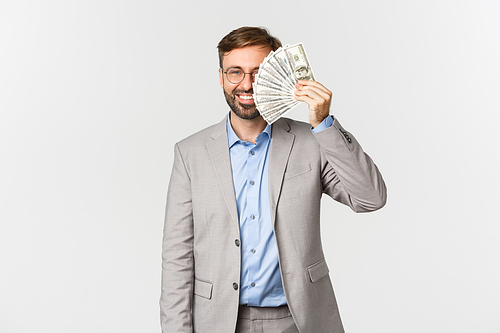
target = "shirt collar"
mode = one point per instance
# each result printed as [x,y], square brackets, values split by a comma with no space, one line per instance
[232,138]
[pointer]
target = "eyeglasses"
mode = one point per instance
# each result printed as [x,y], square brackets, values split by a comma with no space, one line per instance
[236,75]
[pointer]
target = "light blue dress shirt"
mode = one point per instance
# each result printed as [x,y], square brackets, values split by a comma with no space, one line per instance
[260,281]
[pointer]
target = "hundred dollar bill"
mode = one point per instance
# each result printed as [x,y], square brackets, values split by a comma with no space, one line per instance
[274,84]
[271,119]
[263,99]
[265,77]
[272,67]
[270,116]
[299,63]
[270,73]
[280,62]
[263,89]
[279,113]
[272,108]
[278,70]
[272,94]
[281,110]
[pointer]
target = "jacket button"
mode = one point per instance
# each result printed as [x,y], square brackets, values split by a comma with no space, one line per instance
[237,242]
[235,286]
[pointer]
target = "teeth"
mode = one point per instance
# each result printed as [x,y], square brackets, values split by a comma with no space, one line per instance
[246,97]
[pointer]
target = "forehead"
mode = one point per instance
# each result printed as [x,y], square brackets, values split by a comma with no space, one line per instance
[249,56]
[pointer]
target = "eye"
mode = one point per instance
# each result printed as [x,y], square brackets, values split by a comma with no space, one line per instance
[234,71]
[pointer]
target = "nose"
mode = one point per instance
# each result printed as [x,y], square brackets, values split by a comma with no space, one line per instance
[246,84]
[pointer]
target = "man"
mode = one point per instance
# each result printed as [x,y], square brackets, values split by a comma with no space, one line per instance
[242,249]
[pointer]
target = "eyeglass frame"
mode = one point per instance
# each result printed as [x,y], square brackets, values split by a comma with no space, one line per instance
[244,74]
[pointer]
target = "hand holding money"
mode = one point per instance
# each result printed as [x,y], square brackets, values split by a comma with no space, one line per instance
[317,97]
[284,79]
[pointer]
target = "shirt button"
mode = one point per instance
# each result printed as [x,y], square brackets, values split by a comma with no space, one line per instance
[252,152]
[235,286]
[244,143]
[253,250]
[252,182]
[237,242]
[253,284]
[252,217]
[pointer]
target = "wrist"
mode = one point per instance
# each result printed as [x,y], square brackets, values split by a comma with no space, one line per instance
[325,123]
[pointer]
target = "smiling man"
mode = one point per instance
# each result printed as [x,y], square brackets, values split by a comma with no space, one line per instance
[238,85]
[242,248]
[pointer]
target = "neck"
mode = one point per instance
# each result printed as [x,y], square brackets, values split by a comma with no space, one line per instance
[247,129]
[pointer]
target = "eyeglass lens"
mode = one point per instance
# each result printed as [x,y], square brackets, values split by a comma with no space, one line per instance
[236,75]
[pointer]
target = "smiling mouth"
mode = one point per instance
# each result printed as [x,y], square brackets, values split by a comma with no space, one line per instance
[245,98]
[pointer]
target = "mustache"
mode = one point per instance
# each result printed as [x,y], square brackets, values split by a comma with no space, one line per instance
[236,92]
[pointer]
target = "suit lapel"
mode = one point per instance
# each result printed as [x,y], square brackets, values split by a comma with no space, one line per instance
[219,155]
[281,146]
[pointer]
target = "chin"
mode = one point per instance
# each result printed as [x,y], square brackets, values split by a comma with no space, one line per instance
[245,113]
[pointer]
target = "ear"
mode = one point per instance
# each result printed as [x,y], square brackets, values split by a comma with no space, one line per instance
[221,79]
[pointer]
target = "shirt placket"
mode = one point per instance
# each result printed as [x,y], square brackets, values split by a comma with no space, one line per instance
[253,179]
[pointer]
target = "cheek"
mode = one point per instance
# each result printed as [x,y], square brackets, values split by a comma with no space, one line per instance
[228,90]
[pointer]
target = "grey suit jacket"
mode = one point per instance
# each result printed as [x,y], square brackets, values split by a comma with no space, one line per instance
[201,254]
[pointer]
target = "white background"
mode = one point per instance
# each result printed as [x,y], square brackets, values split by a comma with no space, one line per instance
[94,94]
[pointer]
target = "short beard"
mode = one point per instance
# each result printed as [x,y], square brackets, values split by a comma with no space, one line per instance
[243,111]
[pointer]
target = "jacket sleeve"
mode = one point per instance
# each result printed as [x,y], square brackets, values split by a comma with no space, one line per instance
[349,175]
[177,254]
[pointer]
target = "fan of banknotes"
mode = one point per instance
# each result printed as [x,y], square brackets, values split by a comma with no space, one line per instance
[275,81]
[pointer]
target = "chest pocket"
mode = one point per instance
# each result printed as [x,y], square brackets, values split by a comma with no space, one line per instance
[297,171]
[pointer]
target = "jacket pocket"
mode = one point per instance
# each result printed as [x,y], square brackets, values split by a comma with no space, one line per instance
[318,270]
[294,173]
[202,288]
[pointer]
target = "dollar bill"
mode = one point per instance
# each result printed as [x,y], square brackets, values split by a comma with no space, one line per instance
[263,88]
[299,63]
[274,85]
[263,99]
[278,111]
[280,61]
[272,117]
[272,108]
[265,77]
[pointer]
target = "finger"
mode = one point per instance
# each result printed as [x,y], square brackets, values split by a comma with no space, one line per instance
[317,110]
[309,83]
[313,92]
[306,99]
[312,83]
[313,99]
[327,95]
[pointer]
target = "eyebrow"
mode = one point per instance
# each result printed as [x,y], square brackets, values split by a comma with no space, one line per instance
[241,68]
